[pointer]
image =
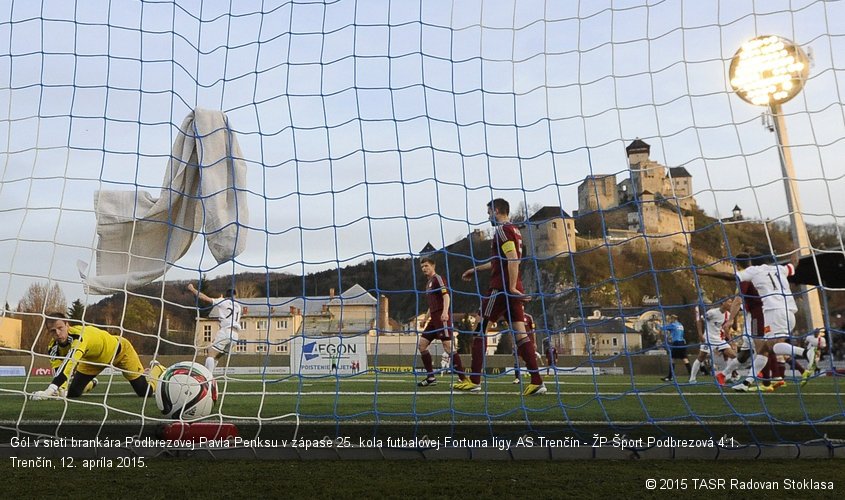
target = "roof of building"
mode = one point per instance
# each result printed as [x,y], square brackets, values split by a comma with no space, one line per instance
[310,306]
[599,177]
[677,172]
[356,295]
[598,325]
[638,146]
[548,212]
[428,248]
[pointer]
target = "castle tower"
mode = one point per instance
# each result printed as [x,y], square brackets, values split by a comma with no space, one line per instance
[646,175]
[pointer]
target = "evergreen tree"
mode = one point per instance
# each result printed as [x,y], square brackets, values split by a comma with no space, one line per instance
[76,310]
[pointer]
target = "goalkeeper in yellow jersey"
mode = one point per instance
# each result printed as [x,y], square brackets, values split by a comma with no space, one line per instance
[88,351]
[58,353]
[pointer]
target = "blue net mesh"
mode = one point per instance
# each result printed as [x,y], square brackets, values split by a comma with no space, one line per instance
[313,152]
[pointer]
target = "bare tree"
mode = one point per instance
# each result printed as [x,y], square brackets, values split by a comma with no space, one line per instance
[246,289]
[523,212]
[39,300]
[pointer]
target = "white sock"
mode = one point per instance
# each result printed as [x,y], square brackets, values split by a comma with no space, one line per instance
[785,348]
[210,363]
[695,366]
[732,365]
[757,365]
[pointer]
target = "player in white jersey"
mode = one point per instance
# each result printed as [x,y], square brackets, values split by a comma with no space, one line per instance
[779,310]
[228,313]
[712,333]
[770,281]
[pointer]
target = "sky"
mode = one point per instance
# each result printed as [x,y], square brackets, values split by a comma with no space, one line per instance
[371,128]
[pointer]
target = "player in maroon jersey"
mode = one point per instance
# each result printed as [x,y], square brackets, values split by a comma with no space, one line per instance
[438,321]
[505,299]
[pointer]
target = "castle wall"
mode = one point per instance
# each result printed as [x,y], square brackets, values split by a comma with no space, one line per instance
[597,193]
[552,238]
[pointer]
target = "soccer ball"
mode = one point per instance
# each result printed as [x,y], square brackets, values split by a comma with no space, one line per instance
[184,391]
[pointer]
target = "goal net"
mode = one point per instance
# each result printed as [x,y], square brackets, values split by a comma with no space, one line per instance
[309,154]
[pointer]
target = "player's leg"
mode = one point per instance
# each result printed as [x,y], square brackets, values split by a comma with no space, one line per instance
[425,356]
[88,388]
[672,356]
[703,353]
[728,370]
[491,310]
[742,357]
[129,363]
[78,383]
[525,346]
[526,350]
[758,360]
[456,363]
[781,327]
[222,340]
[686,362]
[479,347]
[729,356]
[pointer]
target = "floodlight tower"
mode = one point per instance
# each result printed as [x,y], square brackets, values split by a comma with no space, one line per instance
[768,71]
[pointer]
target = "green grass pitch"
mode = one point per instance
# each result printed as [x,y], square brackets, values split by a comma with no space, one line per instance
[371,404]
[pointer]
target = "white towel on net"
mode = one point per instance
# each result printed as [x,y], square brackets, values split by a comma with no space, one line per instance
[204,191]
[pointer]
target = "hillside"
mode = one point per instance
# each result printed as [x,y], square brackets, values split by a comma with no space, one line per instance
[606,276]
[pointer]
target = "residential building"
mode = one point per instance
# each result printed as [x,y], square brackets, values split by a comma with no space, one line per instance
[268,324]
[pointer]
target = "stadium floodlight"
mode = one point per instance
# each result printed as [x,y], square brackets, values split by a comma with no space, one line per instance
[769,71]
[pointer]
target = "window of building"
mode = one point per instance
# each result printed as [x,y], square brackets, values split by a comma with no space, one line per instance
[282,348]
[243,325]
[206,333]
[281,324]
[614,342]
[261,324]
[261,347]
[240,346]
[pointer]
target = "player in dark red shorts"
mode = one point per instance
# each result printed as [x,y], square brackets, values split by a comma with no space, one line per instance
[438,321]
[529,329]
[505,299]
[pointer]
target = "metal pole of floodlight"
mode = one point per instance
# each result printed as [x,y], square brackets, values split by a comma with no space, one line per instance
[768,71]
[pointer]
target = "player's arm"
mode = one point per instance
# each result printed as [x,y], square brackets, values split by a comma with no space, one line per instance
[509,251]
[512,258]
[790,268]
[61,364]
[62,374]
[467,275]
[736,306]
[199,295]
[699,325]
[447,302]
[716,274]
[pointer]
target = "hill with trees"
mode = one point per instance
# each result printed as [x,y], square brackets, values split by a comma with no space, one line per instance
[608,275]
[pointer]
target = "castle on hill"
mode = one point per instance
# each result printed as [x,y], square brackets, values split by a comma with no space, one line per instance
[649,204]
